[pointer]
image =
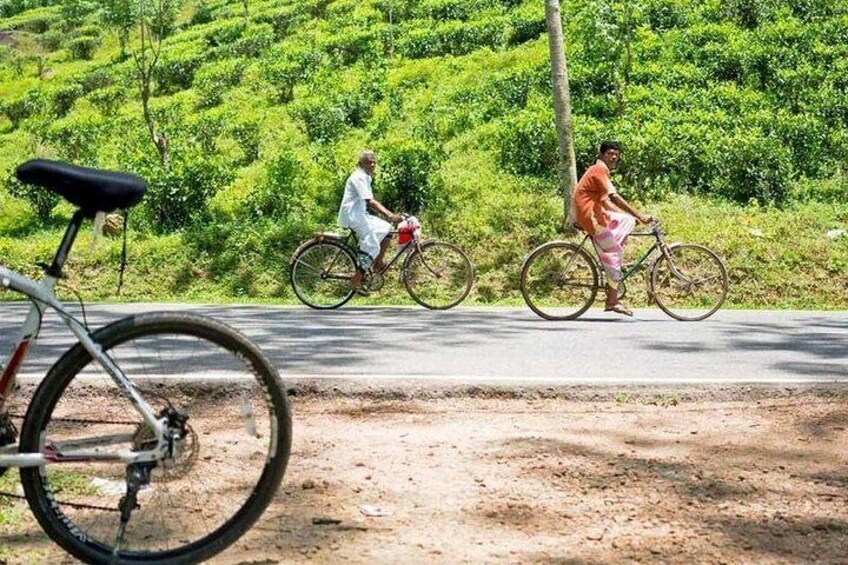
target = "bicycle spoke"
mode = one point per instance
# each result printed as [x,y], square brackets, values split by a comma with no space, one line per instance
[216,465]
[693,286]
[559,281]
[320,275]
[438,275]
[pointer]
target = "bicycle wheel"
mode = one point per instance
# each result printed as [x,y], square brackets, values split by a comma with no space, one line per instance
[693,287]
[438,275]
[559,281]
[320,274]
[226,465]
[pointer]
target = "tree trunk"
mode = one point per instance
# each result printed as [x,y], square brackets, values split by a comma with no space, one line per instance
[562,108]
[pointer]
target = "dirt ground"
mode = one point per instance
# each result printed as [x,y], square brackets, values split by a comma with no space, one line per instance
[659,479]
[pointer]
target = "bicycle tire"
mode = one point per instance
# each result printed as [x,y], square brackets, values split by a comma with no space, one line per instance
[450,273]
[691,308]
[311,291]
[545,290]
[117,339]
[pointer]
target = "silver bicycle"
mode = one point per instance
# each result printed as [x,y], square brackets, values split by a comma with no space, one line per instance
[159,438]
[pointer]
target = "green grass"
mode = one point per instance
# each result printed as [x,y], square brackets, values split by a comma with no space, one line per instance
[775,258]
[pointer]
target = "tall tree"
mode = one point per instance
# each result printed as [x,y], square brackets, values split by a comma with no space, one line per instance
[146,56]
[120,15]
[562,108]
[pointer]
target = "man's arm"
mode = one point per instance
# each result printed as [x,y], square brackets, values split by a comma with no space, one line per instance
[619,201]
[375,205]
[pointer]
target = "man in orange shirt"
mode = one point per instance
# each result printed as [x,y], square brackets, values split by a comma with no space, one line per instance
[607,217]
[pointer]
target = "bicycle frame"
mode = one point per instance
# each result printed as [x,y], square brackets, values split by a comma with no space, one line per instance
[350,243]
[658,245]
[43,298]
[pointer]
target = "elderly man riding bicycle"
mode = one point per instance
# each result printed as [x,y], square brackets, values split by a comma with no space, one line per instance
[371,232]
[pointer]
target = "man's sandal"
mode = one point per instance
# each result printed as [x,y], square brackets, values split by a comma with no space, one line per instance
[620,309]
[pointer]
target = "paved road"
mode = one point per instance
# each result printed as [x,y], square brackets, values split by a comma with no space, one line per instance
[506,344]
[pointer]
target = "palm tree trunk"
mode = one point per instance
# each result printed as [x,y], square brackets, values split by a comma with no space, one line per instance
[562,109]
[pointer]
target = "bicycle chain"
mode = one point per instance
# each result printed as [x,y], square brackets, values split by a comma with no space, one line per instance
[71,504]
[82,421]
[72,421]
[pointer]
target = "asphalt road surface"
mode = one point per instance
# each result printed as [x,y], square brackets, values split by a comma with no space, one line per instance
[500,345]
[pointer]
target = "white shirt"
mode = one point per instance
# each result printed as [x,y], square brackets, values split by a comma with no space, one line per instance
[352,212]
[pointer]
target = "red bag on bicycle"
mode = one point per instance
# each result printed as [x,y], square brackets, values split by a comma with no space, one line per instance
[408,229]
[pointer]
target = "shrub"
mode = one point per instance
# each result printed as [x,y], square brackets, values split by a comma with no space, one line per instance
[351,46]
[452,38]
[324,119]
[284,69]
[213,79]
[275,197]
[25,106]
[225,33]
[253,41]
[663,15]
[107,100]
[178,195]
[404,178]
[50,40]
[527,142]
[64,97]
[177,68]
[96,79]
[202,15]
[83,47]
[76,138]
[751,166]
[525,24]
[282,20]
[42,201]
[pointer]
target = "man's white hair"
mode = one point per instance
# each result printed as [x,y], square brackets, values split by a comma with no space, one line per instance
[366,154]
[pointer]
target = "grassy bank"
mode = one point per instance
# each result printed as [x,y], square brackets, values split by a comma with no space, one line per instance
[776,258]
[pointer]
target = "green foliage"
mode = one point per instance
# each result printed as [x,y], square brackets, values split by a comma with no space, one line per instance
[29,104]
[526,24]
[177,68]
[452,38]
[734,109]
[83,47]
[178,195]
[285,67]
[527,142]
[76,138]
[213,79]
[276,197]
[252,42]
[74,12]
[42,201]
[405,168]
[64,96]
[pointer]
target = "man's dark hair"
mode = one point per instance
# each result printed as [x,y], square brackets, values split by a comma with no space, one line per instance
[607,145]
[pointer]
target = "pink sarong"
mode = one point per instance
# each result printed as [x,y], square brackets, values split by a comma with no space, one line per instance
[609,244]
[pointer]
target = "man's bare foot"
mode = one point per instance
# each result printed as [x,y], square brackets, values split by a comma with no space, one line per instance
[619,308]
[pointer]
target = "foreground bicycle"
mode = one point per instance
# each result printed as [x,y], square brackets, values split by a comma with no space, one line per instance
[436,275]
[560,280]
[159,438]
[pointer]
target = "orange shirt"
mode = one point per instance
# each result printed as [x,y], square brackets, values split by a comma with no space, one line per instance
[589,195]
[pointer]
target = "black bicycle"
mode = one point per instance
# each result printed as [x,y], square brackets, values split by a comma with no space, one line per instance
[437,275]
[560,280]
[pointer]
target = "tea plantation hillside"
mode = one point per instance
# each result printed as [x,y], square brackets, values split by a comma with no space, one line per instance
[733,116]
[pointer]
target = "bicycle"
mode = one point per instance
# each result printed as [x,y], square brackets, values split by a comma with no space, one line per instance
[437,275]
[560,280]
[120,439]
